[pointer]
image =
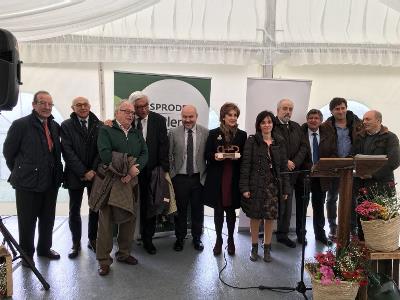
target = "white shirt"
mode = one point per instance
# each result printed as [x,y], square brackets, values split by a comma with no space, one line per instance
[195,168]
[123,129]
[144,125]
[311,139]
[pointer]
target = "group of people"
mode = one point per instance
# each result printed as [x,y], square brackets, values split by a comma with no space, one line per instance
[127,164]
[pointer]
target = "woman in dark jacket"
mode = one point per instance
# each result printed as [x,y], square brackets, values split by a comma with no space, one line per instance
[221,188]
[261,183]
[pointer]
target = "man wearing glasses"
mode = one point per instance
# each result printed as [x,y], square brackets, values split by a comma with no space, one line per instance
[121,137]
[154,129]
[32,151]
[79,143]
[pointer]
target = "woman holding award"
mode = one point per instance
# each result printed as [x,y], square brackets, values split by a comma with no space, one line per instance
[221,189]
[261,183]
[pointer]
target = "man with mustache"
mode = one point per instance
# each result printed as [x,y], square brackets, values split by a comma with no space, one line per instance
[187,168]
[32,151]
[296,151]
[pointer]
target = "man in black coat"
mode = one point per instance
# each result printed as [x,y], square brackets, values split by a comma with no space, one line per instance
[79,143]
[154,129]
[296,152]
[32,151]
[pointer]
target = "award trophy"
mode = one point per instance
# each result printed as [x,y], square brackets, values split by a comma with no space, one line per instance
[230,152]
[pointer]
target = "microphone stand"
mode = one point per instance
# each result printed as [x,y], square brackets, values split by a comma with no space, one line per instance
[12,244]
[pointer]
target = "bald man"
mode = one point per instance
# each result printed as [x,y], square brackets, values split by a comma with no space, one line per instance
[296,149]
[79,148]
[187,169]
[376,139]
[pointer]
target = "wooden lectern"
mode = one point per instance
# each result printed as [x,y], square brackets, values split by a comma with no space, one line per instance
[345,168]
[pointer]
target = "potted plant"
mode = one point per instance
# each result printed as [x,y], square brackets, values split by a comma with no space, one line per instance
[338,273]
[380,220]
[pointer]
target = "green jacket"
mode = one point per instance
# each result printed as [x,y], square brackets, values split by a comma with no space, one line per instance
[113,139]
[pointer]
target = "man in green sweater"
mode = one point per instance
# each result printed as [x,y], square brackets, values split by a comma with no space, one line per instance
[121,137]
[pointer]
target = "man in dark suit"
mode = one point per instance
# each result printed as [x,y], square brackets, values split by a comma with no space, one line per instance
[79,142]
[154,129]
[320,143]
[187,164]
[32,151]
[296,151]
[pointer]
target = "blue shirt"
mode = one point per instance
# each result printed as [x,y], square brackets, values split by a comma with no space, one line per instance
[343,141]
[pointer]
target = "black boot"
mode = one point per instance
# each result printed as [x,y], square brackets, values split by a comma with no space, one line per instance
[254,252]
[267,253]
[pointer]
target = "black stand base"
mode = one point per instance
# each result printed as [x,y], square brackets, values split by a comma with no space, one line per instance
[12,244]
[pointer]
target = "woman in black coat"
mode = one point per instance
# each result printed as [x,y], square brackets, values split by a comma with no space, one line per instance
[221,188]
[261,183]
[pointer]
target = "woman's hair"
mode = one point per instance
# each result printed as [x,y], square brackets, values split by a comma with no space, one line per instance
[226,108]
[261,116]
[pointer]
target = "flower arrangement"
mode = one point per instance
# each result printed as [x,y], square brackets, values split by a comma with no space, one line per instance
[378,203]
[344,264]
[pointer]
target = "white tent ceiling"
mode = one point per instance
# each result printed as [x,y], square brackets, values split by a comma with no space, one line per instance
[206,31]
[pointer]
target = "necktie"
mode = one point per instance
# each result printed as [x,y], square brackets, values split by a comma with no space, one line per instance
[84,128]
[48,135]
[139,124]
[189,153]
[315,156]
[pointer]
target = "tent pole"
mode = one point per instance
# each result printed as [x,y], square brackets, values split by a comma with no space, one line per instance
[101,91]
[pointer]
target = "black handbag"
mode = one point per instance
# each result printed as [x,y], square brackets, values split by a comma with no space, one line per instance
[381,287]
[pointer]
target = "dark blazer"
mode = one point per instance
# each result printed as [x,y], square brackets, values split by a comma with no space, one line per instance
[33,167]
[157,143]
[327,148]
[296,147]
[212,187]
[253,170]
[79,150]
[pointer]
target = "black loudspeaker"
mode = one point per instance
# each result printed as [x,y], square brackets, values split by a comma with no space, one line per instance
[10,70]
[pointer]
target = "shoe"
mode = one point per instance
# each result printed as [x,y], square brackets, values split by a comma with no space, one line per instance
[51,254]
[217,247]
[103,270]
[267,253]
[76,248]
[130,260]
[92,245]
[231,246]
[178,246]
[254,252]
[324,240]
[300,241]
[198,245]
[25,264]
[287,242]
[150,248]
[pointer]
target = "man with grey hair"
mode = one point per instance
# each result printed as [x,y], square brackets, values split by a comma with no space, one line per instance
[296,150]
[187,163]
[154,129]
[121,137]
[376,139]
[79,144]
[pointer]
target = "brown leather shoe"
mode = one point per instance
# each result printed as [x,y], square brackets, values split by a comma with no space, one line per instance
[103,270]
[217,247]
[130,260]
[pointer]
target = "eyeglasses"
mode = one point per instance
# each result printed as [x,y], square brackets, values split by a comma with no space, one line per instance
[127,112]
[142,106]
[82,105]
[43,103]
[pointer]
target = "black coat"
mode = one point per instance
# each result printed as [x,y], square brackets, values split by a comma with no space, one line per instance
[296,148]
[254,170]
[79,150]
[157,143]
[212,186]
[33,167]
